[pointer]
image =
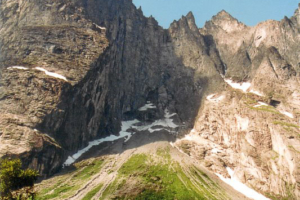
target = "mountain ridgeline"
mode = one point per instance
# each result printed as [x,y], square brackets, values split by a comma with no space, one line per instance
[72,70]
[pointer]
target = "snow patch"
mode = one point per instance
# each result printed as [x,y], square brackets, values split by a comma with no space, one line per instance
[215,150]
[260,104]
[240,187]
[290,115]
[188,137]
[216,100]
[193,131]
[244,86]
[147,106]
[256,92]
[100,27]
[17,67]
[167,122]
[192,136]
[55,75]
[123,133]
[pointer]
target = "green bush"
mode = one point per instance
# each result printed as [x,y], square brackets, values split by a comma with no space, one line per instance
[13,178]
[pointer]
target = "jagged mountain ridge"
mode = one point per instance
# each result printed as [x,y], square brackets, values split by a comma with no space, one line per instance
[138,61]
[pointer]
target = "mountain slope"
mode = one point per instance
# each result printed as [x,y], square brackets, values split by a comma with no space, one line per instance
[155,170]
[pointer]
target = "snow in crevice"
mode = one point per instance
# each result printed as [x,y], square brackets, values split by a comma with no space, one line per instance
[244,86]
[166,122]
[18,67]
[55,75]
[256,92]
[215,151]
[123,133]
[240,187]
[188,137]
[290,115]
[214,99]
[147,106]
[260,104]
[100,27]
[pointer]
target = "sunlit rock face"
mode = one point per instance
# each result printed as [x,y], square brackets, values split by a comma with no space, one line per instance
[252,126]
[75,71]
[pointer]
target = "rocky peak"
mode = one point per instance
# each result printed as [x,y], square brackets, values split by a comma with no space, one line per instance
[186,22]
[191,20]
[228,23]
[223,15]
[297,14]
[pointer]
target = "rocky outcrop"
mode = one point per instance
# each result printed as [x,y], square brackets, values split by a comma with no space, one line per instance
[230,132]
[45,49]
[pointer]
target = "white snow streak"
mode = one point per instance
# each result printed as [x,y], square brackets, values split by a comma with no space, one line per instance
[167,122]
[244,86]
[215,150]
[40,69]
[147,106]
[260,104]
[212,99]
[17,67]
[290,115]
[240,187]
[55,75]
[192,137]
[188,137]
[100,27]
[125,126]
[193,131]
[256,92]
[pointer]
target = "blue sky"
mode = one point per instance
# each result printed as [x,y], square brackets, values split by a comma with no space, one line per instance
[249,12]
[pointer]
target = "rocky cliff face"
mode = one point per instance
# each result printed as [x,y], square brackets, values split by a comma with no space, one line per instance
[253,126]
[37,36]
[71,71]
[99,87]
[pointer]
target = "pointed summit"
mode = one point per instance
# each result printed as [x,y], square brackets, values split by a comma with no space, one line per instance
[224,15]
[228,23]
[190,16]
[297,14]
[191,21]
[187,21]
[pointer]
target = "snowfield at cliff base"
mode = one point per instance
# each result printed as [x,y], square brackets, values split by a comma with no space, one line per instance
[240,187]
[165,123]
